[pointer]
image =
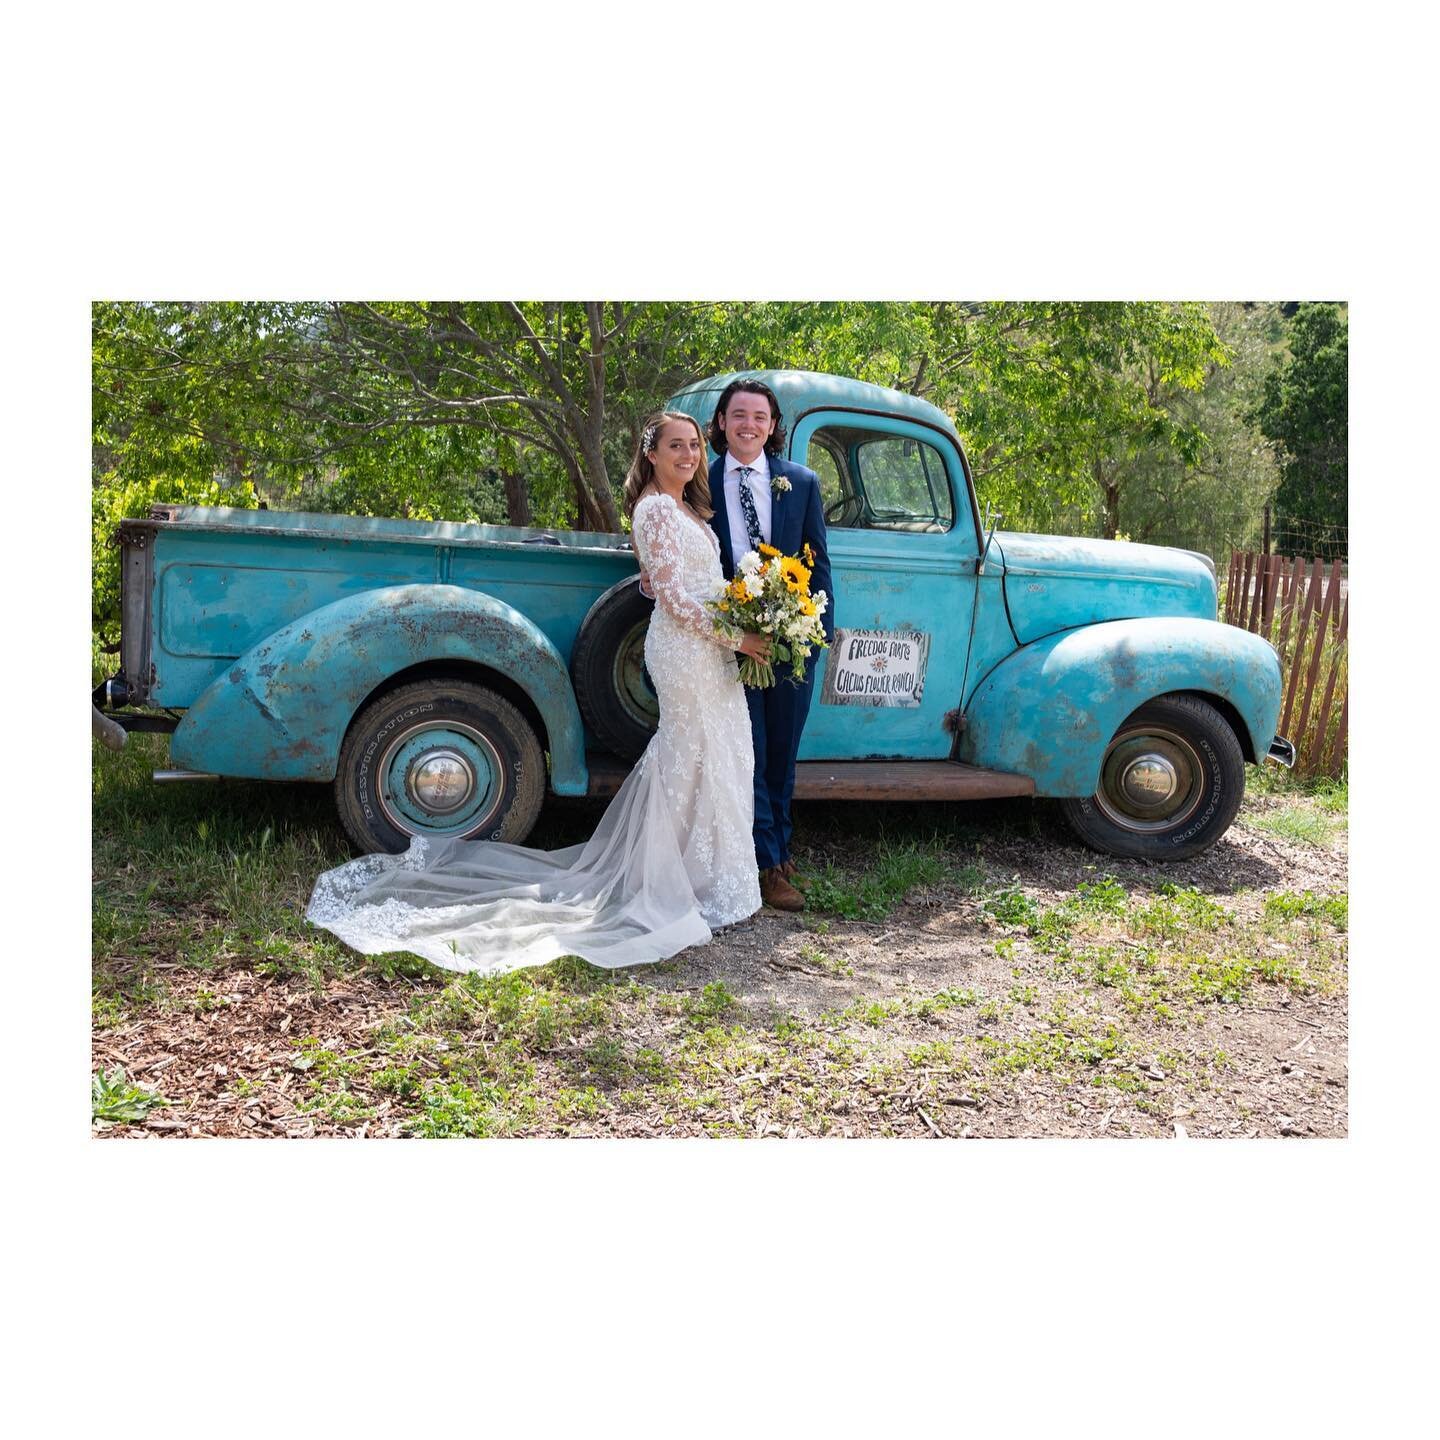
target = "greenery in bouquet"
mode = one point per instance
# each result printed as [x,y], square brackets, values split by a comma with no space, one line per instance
[771,594]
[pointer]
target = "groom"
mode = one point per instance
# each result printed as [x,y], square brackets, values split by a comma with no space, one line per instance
[758,497]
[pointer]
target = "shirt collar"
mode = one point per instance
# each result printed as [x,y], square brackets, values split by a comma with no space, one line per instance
[760,465]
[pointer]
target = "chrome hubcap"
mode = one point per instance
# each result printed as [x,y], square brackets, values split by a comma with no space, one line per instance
[439,778]
[1150,781]
[440,781]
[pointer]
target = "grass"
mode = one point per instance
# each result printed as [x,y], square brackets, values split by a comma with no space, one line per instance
[1306,811]
[198,885]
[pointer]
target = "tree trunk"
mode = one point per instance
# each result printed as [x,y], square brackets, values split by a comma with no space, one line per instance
[517,500]
[1110,491]
[596,482]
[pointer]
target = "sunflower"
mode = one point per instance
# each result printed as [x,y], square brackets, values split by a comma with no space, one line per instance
[794,574]
[740,590]
[768,549]
[809,553]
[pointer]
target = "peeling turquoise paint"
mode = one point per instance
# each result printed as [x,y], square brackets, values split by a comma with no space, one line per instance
[1051,708]
[280,711]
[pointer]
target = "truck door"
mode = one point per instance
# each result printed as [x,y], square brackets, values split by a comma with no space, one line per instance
[903,545]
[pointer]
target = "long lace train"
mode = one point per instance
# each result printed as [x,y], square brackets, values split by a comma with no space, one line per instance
[672,857]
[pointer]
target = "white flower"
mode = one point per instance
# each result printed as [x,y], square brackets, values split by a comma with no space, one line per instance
[749,563]
[778,484]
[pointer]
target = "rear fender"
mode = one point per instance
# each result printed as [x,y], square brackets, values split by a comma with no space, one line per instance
[280,712]
[1049,710]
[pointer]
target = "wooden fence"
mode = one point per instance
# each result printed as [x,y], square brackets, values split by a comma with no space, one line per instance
[1303,610]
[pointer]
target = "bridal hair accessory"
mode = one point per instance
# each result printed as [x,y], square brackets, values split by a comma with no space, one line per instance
[647,440]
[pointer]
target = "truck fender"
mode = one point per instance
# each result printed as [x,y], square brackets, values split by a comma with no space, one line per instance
[280,712]
[1049,710]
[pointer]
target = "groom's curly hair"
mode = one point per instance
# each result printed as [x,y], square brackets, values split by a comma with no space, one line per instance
[775,445]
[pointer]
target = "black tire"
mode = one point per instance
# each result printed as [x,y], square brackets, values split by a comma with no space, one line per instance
[1170,784]
[607,668]
[406,757]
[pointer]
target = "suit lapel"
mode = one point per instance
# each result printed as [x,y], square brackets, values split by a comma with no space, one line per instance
[779,511]
[720,520]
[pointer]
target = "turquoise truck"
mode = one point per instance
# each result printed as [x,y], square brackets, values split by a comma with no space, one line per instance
[443,677]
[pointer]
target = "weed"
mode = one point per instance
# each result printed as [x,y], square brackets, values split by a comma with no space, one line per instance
[401,1081]
[578,1104]
[1105,896]
[713,1003]
[813,955]
[606,1058]
[1287,905]
[1011,906]
[1174,911]
[937,1053]
[455,1108]
[114,1100]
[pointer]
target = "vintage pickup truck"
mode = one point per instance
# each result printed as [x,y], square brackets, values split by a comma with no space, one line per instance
[443,676]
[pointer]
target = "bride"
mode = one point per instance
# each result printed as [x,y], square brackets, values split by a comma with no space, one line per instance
[673,856]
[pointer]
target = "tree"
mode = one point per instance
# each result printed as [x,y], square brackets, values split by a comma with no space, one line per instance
[529,411]
[1304,412]
[1215,503]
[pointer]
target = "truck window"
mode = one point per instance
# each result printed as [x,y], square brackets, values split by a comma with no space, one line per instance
[877,480]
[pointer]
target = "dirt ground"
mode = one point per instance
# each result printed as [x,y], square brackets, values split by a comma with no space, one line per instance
[954,1015]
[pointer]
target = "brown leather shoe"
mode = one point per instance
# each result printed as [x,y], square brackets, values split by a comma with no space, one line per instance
[786,868]
[777,891]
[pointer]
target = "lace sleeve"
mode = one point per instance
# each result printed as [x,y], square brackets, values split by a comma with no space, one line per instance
[659,539]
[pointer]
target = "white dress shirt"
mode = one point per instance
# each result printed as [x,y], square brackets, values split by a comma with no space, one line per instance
[759,482]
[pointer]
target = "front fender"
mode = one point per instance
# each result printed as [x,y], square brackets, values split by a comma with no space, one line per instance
[280,712]
[1049,710]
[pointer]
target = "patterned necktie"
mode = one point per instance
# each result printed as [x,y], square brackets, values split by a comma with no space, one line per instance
[747,507]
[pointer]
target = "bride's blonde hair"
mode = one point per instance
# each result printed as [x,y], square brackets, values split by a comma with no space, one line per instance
[642,470]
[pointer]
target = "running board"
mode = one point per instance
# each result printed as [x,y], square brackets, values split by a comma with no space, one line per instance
[862,780]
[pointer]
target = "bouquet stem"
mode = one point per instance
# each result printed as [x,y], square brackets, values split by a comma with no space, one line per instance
[758,674]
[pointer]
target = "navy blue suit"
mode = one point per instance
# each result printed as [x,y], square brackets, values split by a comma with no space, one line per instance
[777,715]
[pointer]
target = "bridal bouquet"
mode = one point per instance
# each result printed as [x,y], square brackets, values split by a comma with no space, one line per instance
[771,594]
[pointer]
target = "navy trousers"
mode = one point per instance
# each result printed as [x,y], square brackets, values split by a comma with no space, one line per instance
[777,716]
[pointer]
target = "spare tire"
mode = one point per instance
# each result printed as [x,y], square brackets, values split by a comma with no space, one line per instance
[607,668]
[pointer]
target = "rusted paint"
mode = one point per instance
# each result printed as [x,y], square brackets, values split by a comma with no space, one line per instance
[866,780]
[268,719]
[1050,710]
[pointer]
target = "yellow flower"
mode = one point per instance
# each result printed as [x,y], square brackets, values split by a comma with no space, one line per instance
[795,575]
[768,549]
[807,607]
[723,605]
[809,553]
[740,590]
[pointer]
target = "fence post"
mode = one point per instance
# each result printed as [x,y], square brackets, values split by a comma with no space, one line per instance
[1329,605]
[1307,604]
[1324,718]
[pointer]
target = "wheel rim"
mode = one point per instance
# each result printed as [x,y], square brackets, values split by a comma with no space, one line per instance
[440,779]
[1150,780]
[630,686]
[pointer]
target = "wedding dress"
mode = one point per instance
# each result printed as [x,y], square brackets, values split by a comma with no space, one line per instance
[673,856]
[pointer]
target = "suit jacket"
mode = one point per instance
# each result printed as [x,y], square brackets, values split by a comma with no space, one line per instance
[797,516]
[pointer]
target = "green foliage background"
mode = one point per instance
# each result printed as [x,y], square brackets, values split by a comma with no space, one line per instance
[1166,422]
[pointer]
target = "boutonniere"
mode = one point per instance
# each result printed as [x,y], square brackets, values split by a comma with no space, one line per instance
[778,485]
